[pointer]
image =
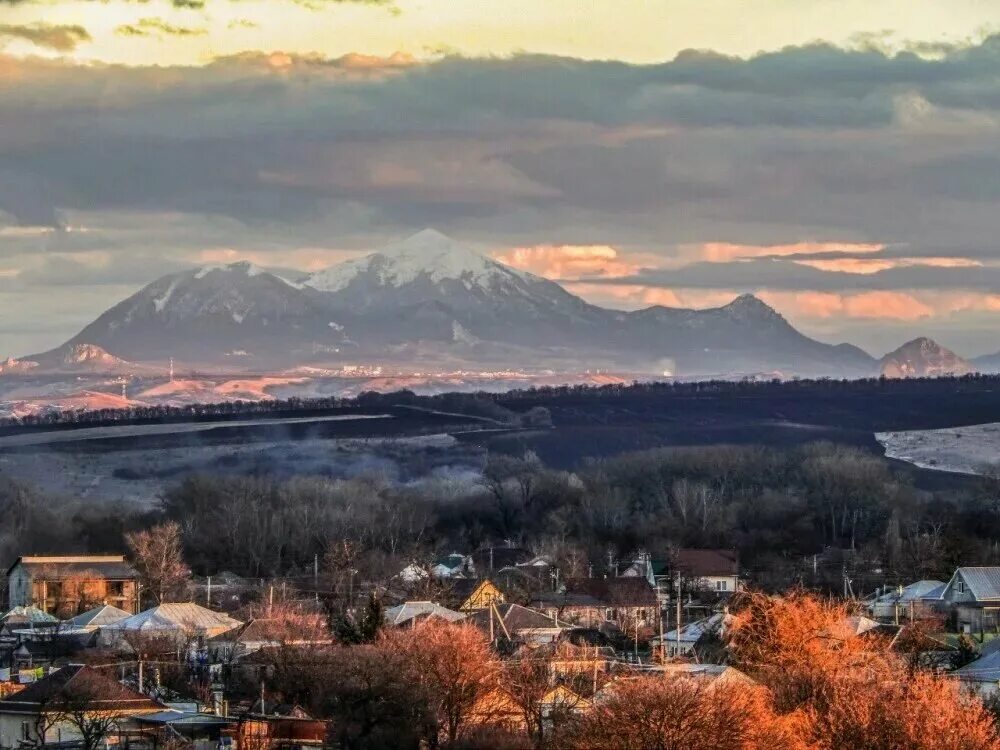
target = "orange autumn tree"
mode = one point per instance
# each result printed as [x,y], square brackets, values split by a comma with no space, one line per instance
[845,690]
[453,663]
[683,713]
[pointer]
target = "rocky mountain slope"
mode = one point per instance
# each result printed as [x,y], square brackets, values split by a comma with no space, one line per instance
[921,358]
[430,300]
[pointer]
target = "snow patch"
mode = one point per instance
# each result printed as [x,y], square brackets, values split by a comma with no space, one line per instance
[160,303]
[428,254]
[245,267]
[460,334]
[335,326]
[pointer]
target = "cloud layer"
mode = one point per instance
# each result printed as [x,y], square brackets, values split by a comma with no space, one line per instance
[855,189]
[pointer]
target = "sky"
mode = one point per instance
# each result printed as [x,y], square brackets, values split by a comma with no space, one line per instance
[841,159]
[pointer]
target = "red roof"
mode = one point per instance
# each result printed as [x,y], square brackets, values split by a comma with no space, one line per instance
[78,682]
[707,562]
[615,592]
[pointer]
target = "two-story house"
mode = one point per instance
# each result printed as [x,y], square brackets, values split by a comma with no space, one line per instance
[973,596]
[69,584]
[716,570]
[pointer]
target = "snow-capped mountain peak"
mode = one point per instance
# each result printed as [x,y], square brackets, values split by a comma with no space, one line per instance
[427,254]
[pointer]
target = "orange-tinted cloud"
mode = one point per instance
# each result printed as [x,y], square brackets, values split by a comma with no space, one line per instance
[576,261]
[874,265]
[631,297]
[727,252]
[879,305]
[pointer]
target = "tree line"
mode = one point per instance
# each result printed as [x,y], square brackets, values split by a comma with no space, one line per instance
[802,515]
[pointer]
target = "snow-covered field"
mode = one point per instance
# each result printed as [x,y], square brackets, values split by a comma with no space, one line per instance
[965,450]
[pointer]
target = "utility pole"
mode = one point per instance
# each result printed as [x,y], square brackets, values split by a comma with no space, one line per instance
[208,593]
[659,614]
[316,576]
[141,681]
[678,613]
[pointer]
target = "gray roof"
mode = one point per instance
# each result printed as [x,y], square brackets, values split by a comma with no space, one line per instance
[184,718]
[28,614]
[984,669]
[692,631]
[184,616]
[98,617]
[984,583]
[405,612]
[914,592]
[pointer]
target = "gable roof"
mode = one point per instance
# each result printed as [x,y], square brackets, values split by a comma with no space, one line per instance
[187,617]
[914,592]
[99,617]
[983,669]
[102,692]
[692,631]
[403,613]
[615,592]
[460,589]
[301,628]
[702,563]
[515,618]
[721,673]
[983,583]
[25,615]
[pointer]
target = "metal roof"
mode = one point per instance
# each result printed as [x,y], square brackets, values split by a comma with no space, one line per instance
[99,617]
[28,614]
[106,693]
[914,592]
[695,630]
[408,610]
[984,669]
[184,717]
[984,583]
[187,617]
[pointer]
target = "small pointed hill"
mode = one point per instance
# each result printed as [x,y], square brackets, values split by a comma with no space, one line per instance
[923,358]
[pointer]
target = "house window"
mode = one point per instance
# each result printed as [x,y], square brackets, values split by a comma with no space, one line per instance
[116,588]
[25,731]
[721,586]
[960,586]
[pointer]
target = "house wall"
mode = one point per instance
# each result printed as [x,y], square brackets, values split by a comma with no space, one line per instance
[19,587]
[721,584]
[483,597]
[14,726]
[973,619]
[50,595]
[958,592]
[593,617]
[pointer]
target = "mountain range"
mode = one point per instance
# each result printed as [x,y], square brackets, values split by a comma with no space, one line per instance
[430,300]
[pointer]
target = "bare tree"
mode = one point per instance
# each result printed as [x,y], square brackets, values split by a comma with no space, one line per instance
[160,560]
